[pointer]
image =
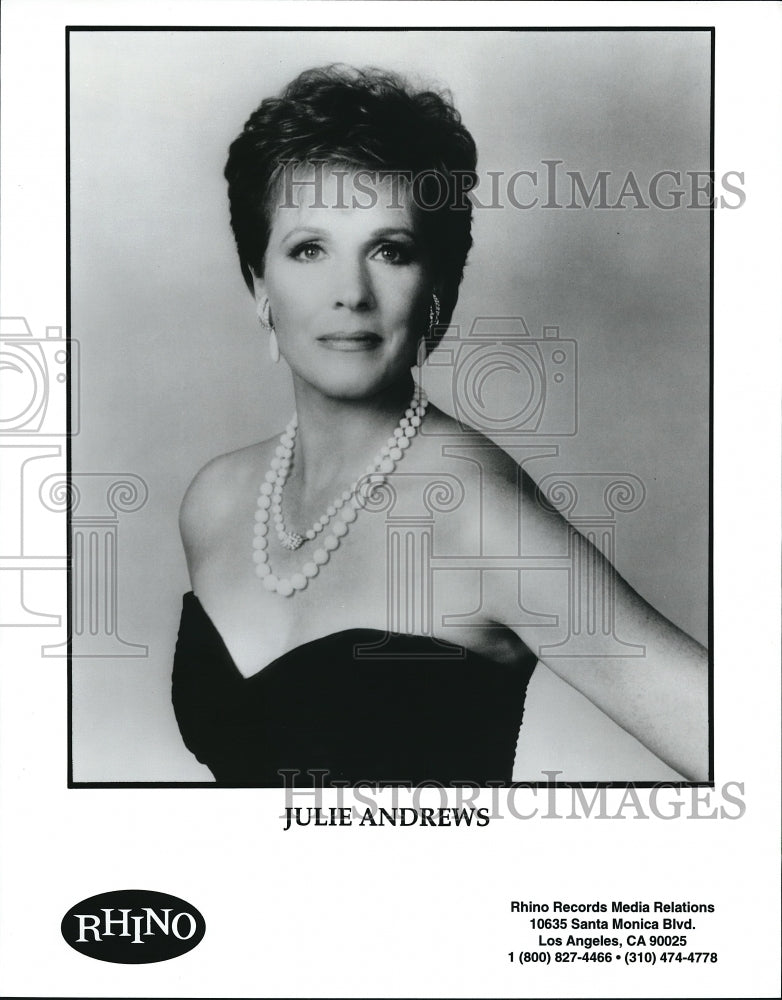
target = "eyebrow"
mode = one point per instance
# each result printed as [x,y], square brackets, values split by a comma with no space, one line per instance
[394,231]
[302,230]
[374,235]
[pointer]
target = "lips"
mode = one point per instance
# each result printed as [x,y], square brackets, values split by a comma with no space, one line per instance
[358,340]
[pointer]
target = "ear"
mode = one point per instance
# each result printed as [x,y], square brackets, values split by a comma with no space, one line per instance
[260,293]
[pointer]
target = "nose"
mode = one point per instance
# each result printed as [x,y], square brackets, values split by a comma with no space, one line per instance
[353,287]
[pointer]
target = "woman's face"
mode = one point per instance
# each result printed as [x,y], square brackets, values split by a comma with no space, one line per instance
[347,279]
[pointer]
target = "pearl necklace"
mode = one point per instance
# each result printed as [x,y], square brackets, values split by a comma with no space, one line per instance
[346,505]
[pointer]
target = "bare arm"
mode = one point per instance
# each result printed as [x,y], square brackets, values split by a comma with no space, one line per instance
[213,503]
[630,661]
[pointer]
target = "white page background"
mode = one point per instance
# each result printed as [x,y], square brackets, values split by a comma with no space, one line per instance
[411,912]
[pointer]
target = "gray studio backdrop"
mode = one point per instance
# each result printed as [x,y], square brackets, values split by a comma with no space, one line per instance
[174,369]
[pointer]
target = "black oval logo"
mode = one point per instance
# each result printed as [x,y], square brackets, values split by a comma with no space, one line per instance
[133,926]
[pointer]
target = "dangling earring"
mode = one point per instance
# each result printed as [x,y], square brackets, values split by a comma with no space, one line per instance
[428,337]
[424,345]
[274,347]
[265,319]
[434,314]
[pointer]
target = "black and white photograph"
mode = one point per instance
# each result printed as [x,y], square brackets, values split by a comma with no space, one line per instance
[390,486]
[429,311]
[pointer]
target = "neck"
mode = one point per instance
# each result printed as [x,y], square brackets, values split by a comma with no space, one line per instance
[336,438]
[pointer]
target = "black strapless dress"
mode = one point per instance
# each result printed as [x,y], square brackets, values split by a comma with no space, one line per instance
[362,706]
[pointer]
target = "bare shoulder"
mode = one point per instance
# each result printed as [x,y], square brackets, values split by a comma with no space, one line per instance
[507,492]
[218,494]
[444,435]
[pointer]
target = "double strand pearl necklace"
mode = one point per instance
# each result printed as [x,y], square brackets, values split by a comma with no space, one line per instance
[342,511]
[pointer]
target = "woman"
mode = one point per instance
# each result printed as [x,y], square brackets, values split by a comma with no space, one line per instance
[350,206]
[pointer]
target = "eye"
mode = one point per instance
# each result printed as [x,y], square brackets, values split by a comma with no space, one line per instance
[307,251]
[394,253]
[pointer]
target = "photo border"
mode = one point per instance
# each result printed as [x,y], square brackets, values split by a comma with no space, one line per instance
[711,30]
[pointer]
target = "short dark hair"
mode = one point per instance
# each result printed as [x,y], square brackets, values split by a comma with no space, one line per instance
[368,119]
